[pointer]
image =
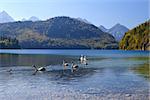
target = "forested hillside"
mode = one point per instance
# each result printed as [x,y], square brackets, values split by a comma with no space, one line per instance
[9,43]
[137,38]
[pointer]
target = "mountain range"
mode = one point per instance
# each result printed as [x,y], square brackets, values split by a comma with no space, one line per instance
[5,18]
[58,32]
[65,32]
[117,31]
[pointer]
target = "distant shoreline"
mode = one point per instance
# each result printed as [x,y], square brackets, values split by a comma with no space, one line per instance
[66,49]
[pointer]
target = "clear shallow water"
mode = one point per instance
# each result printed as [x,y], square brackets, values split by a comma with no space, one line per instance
[108,75]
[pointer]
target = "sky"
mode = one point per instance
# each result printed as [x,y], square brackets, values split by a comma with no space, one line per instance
[98,12]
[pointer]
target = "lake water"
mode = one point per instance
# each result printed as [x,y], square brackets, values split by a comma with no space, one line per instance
[108,75]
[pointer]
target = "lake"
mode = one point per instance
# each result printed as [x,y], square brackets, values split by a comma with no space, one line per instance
[109,75]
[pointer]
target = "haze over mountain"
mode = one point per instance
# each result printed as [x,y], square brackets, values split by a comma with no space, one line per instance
[83,20]
[32,18]
[5,17]
[103,28]
[58,32]
[23,19]
[117,31]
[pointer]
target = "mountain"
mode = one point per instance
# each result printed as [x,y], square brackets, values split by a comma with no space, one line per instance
[137,38]
[117,31]
[103,28]
[33,18]
[58,32]
[4,17]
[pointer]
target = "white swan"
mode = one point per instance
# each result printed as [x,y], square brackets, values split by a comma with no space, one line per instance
[39,69]
[65,64]
[74,67]
[82,58]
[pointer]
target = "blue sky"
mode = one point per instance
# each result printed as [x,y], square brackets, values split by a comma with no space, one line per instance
[99,12]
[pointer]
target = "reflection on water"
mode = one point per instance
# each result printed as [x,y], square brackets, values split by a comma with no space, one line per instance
[142,70]
[28,60]
[104,77]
